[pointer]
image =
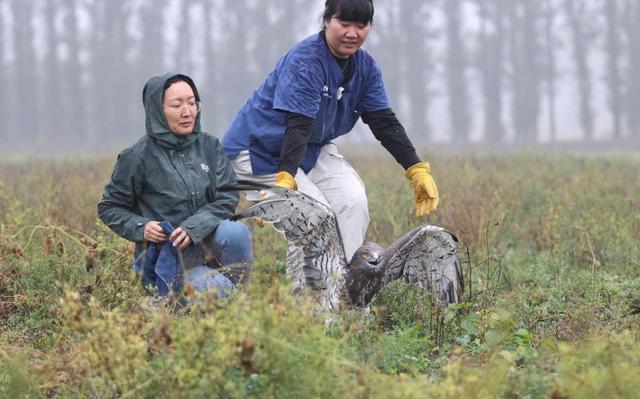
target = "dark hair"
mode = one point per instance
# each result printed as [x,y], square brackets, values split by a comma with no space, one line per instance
[181,78]
[349,10]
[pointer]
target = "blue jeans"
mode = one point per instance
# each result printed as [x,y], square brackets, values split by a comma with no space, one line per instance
[232,248]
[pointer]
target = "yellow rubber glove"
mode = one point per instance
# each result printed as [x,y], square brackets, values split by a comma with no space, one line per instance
[424,186]
[284,179]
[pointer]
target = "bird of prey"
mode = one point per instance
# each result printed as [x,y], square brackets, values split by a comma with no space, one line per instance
[426,256]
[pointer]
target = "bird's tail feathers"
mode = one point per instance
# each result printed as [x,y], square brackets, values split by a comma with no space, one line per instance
[245,185]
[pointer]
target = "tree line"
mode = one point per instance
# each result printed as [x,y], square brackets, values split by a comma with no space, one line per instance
[492,71]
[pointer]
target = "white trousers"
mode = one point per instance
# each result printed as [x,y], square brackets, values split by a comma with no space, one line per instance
[332,181]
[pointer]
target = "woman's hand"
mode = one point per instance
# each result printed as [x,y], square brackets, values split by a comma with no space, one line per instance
[153,232]
[180,238]
[426,192]
[286,180]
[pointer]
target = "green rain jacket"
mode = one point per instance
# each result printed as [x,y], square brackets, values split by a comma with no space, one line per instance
[168,177]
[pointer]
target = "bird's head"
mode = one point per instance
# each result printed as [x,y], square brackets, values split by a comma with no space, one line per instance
[370,252]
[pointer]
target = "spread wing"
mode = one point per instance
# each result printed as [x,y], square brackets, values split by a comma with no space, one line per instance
[427,257]
[309,226]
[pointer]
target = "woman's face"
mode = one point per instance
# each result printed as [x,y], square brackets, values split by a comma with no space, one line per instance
[344,37]
[180,108]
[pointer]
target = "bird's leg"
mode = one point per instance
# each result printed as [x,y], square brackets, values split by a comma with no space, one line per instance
[295,268]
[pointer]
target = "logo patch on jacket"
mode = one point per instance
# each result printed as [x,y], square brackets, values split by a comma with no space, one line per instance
[204,167]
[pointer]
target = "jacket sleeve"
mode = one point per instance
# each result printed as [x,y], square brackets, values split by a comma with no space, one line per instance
[118,204]
[294,145]
[391,134]
[220,207]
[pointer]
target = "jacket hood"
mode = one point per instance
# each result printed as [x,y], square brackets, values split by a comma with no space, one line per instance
[155,120]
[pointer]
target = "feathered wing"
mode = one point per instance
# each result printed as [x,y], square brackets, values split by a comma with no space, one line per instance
[308,225]
[427,257]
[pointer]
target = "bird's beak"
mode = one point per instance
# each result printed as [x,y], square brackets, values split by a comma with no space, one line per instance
[375,260]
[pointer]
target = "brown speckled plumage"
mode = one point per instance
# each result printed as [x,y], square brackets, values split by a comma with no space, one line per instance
[425,257]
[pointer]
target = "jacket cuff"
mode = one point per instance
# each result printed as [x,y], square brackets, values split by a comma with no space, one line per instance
[138,229]
[200,226]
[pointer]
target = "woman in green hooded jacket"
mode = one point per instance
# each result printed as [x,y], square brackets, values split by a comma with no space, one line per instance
[171,175]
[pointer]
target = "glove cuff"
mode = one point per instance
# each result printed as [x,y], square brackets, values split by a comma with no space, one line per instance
[286,180]
[417,169]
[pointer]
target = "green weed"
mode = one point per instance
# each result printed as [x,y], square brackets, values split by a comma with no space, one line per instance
[551,305]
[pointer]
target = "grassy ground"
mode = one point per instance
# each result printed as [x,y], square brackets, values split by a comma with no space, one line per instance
[552,302]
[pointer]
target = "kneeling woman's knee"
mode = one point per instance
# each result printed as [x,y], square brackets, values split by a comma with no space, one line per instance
[235,240]
[238,235]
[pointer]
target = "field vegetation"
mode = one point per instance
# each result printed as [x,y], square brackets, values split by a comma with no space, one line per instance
[550,246]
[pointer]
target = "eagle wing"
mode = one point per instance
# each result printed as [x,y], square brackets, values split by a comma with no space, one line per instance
[427,257]
[308,225]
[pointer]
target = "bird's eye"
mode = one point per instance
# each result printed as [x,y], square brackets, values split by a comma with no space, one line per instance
[366,255]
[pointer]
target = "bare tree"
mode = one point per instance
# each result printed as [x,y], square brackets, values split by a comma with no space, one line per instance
[24,70]
[419,65]
[264,19]
[525,59]
[489,61]
[4,77]
[551,42]
[632,94]
[151,54]
[208,82]
[389,57]
[50,70]
[582,34]
[613,76]
[458,91]
[403,48]
[6,109]
[110,76]
[74,102]
[234,89]
[273,32]
[185,56]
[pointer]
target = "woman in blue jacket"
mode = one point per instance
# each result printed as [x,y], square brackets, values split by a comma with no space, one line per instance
[318,90]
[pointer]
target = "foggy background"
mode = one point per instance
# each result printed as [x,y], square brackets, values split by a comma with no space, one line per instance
[488,72]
